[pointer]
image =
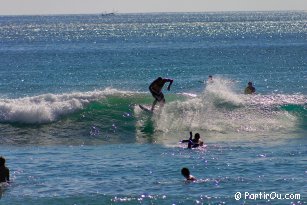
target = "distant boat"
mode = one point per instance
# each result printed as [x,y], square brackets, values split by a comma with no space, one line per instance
[108,13]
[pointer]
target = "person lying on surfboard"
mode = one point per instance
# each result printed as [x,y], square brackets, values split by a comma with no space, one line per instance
[193,143]
[155,89]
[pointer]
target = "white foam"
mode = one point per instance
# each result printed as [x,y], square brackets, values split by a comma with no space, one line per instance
[222,109]
[48,107]
[223,90]
[276,99]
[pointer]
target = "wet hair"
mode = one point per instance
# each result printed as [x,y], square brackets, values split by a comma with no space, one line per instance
[160,78]
[197,135]
[2,161]
[250,83]
[210,76]
[185,172]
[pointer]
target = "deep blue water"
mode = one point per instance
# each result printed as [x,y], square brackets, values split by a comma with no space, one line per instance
[72,132]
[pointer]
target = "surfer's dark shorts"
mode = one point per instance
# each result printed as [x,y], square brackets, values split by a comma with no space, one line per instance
[158,96]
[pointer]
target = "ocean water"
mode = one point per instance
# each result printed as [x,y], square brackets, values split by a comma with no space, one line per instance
[72,132]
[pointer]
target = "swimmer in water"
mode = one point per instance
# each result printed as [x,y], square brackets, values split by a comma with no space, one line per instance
[186,173]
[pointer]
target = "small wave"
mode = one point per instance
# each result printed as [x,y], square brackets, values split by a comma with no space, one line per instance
[47,108]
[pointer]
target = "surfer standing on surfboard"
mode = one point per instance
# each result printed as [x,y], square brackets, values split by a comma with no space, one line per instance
[156,90]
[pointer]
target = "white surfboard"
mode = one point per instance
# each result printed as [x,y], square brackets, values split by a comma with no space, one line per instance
[146,109]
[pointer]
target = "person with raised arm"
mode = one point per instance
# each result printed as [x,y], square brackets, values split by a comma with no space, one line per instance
[155,89]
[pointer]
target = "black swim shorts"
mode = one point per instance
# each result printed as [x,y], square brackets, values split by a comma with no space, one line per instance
[158,96]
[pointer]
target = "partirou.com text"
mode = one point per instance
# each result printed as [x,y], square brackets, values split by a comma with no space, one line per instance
[266,196]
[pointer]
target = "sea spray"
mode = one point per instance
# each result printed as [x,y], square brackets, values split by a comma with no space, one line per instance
[221,108]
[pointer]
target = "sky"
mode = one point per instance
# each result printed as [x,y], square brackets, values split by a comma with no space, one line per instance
[45,7]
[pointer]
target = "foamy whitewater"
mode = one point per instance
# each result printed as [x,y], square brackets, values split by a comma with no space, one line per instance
[72,131]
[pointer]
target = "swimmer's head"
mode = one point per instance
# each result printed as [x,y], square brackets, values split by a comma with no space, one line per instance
[2,161]
[185,172]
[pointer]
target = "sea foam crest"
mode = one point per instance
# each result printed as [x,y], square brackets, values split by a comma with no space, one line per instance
[48,107]
[222,108]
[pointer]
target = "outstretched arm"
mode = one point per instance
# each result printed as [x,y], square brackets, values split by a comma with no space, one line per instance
[170,83]
[189,140]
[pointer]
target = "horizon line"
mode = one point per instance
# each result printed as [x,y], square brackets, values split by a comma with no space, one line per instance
[150,12]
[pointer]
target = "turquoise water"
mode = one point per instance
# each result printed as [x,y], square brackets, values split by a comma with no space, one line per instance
[72,132]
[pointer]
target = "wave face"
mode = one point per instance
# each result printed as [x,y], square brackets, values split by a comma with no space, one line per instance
[48,107]
[113,116]
[71,118]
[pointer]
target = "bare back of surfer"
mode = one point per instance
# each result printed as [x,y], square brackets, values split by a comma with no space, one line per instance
[156,90]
